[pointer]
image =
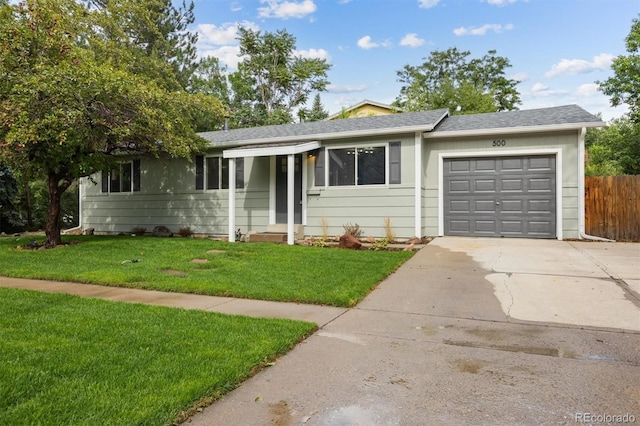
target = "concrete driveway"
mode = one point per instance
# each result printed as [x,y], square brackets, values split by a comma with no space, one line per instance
[469,331]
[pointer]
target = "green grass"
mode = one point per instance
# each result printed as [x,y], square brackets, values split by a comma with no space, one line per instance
[247,270]
[74,361]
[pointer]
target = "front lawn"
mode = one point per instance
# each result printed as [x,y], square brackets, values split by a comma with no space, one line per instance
[248,270]
[74,361]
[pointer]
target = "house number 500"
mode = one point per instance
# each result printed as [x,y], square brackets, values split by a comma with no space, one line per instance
[499,142]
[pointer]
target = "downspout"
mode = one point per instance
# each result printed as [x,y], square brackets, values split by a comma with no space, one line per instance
[80,189]
[581,203]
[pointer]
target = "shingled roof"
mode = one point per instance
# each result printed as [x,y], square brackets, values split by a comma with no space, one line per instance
[422,121]
[567,116]
[434,123]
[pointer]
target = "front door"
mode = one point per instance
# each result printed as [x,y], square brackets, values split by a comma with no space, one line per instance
[281,189]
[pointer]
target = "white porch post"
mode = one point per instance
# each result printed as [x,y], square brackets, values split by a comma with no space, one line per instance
[232,200]
[418,184]
[291,165]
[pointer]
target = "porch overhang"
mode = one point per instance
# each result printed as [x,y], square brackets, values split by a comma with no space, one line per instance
[268,150]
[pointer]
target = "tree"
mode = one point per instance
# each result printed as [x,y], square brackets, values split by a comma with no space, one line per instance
[449,79]
[8,194]
[70,104]
[316,113]
[624,86]
[271,80]
[613,149]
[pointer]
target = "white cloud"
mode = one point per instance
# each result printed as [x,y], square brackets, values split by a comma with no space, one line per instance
[521,76]
[480,31]
[587,90]
[284,9]
[314,54]
[235,7]
[426,4]
[500,2]
[228,55]
[224,34]
[366,43]
[580,66]
[540,89]
[346,88]
[412,40]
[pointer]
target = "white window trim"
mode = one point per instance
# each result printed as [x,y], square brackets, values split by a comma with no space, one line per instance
[130,191]
[206,173]
[356,147]
[507,153]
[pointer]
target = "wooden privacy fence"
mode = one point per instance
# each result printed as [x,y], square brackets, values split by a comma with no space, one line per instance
[612,207]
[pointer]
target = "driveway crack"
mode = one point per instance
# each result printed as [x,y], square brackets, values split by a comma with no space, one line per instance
[506,286]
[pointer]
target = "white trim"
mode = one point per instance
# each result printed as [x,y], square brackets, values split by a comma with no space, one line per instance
[304,165]
[418,184]
[267,151]
[272,190]
[581,201]
[291,185]
[333,135]
[510,130]
[232,200]
[508,153]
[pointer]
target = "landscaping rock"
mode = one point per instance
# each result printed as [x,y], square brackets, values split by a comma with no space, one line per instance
[88,231]
[216,251]
[350,242]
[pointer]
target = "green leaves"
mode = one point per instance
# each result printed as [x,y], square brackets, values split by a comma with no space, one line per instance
[624,86]
[614,149]
[448,79]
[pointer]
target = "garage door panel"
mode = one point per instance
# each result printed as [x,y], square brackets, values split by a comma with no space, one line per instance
[519,201]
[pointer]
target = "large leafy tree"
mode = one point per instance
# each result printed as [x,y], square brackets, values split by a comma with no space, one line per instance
[74,97]
[624,86]
[272,81]
[451,79]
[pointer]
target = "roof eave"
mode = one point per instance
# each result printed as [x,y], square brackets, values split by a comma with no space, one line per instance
[329,136]
[512,130]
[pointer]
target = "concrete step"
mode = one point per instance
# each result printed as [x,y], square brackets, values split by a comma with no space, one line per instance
[268,237]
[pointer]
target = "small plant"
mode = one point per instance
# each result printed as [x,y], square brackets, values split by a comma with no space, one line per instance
[353,230]
[139,231]
[320,243]
[185,232]
[390,236]
[325,228]
[380,244]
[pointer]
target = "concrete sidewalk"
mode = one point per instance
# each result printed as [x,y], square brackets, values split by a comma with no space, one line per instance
[320,315]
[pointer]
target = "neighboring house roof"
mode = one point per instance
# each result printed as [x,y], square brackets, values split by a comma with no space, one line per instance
[423,121]
[365,108]
[532,120]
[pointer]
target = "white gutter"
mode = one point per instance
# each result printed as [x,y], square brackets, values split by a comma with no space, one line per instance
[511,130]
[581,202]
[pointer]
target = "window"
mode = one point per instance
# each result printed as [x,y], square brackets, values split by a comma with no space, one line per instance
[215,171]
[357,166]
[125,177]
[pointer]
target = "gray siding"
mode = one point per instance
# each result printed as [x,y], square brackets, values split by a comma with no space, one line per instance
[368,206]
[168,197]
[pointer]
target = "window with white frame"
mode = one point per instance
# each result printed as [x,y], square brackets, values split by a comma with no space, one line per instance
[213,172]
[124,177]
[358,165]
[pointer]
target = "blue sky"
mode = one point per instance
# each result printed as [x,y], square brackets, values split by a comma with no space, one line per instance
[557,48]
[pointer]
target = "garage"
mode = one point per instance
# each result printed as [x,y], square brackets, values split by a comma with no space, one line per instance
[509,196]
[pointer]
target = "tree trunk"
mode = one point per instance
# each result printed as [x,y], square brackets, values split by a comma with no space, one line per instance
[52,227]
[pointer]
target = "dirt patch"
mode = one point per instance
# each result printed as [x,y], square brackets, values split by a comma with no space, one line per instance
[174,272]
[200,261]
[281,414]
[216,252]
[468,365]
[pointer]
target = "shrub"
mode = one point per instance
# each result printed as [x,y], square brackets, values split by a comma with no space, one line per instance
[139,231]
[390,236]
[353,230]
[185,232]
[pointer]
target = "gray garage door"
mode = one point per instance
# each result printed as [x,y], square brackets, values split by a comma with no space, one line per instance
[500,196]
